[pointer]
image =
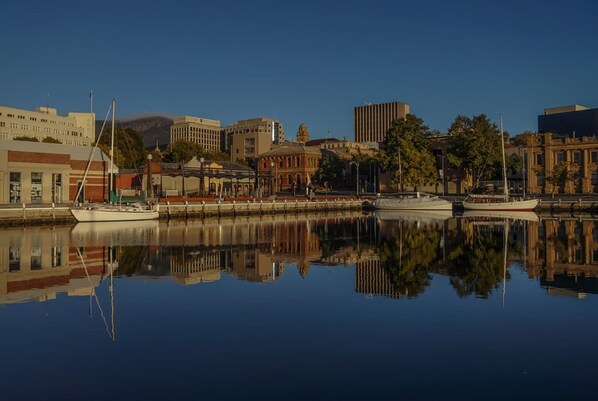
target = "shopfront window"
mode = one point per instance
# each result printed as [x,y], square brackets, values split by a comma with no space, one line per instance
[36,187]
[15,188]
[57,188]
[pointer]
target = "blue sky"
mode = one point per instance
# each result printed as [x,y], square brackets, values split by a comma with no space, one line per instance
[302,61]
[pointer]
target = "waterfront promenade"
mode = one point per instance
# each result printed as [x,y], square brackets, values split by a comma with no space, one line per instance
[177,208]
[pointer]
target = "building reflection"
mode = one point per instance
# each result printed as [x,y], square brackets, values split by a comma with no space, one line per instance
[563,255]
[392,257]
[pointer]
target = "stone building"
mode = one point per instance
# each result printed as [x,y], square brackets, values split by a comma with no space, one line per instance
[542,152]
[290,165]
[302,134]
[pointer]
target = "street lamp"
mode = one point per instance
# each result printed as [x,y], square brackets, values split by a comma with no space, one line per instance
[202,183]
[442,174]
[357,177]
[272,178]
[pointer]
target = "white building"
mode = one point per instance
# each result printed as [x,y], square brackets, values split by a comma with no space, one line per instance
[203,131]
[72,129]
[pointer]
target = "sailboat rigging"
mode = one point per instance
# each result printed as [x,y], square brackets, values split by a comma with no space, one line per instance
[503,202]
[110,211]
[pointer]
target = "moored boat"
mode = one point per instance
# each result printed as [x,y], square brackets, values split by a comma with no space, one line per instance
[112,212]
[412,201]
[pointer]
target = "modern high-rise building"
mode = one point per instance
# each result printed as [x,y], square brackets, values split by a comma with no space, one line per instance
[573,120]
[72,129]
[372,121]
[259,125]
[206,133]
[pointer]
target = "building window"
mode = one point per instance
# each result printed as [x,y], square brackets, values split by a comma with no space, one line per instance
[56,256]
[57,188]
[594,157]
[576,157]
[14,188]
[540,179]
[559,157]
[594,177]
[540,159]
[14,259]
[36,187]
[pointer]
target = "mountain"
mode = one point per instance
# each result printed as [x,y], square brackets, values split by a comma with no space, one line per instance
[153,129]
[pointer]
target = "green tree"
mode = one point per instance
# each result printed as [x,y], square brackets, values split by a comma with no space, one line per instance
[26,138]
[407,141]
[475,147]
[560,175]
[182,152]
[49,139]
[130,145]
[331,169]
[407,256]
[476,265]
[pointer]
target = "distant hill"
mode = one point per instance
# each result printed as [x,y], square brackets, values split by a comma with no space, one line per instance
[151,128]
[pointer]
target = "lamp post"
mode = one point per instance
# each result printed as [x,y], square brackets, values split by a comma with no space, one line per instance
[357,176]
[272,178]
[202,183]
[442,174]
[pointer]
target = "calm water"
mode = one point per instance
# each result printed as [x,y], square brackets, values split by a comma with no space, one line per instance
[337,307]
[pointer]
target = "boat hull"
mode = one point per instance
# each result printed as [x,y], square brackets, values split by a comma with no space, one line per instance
[513,206]
[113,214]
[422,203]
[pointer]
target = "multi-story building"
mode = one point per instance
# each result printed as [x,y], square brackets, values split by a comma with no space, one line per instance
[542,152]
[372,121]
[73,129]
[202,131]
[573,120]
[290,165]
[247,146]
[261,126]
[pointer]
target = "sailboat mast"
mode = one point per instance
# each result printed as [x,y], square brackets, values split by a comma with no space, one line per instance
[110,171]
[504,162]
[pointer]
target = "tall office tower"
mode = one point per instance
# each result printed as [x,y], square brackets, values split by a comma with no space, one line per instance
[373,120]
[202,131]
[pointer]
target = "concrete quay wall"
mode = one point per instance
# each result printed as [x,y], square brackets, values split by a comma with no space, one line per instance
[29,214]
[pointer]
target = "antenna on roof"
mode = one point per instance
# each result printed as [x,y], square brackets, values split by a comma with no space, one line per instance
[368,103]
[48,103]
[91,101]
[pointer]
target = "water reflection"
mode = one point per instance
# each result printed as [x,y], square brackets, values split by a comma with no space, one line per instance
[395,255]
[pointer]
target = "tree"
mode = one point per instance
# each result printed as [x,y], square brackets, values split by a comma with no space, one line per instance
[475,147]
[49,139]
[407,140]
[560,175]
[182,152]
[130,145]
[330,170]
[26,138]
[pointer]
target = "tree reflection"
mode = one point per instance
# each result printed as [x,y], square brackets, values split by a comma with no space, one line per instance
[407,255]
[477,261]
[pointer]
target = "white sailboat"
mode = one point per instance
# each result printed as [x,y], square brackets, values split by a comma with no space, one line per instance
[500,202]
[412,201]
[112,212]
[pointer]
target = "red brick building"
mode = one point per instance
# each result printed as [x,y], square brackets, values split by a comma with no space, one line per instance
[289,164]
